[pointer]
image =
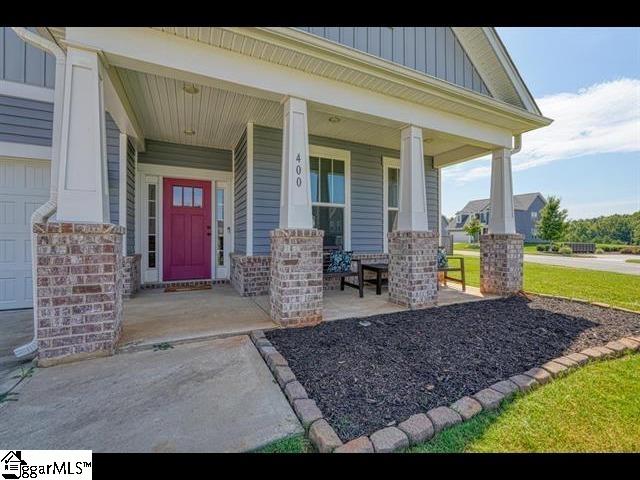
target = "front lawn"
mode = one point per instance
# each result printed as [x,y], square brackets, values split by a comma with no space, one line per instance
[616,289]
[594,409]
[633,260]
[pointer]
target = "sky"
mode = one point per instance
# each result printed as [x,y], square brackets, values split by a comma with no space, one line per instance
[588,81]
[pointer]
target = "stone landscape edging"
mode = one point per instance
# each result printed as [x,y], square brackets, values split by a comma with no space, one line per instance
[421,427]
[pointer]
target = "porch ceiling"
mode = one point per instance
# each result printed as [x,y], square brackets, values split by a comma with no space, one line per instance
[218,117]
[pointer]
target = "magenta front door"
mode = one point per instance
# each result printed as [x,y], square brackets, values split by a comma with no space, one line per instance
[186,229]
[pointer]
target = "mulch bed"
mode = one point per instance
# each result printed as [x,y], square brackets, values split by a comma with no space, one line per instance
[366,377]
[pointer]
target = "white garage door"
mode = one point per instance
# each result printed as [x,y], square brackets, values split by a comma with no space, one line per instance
[24,186]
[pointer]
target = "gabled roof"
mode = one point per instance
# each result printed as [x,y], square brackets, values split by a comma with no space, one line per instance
[520,202]
[495,66]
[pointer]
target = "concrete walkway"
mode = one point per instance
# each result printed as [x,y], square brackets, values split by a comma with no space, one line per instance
[213,396]
[608,263]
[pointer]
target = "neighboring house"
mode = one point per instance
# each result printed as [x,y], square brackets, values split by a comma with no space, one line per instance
[526,207]
[204,144]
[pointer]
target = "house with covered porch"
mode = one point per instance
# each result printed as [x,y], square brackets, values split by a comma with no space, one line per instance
[170,156]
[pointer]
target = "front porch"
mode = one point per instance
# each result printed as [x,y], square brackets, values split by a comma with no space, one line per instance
[233,168]
[154,317]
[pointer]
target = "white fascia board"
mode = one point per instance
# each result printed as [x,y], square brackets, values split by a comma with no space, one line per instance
[23,150]
[22,90]
[159,53]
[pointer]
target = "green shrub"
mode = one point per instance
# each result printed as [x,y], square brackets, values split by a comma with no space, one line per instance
[565,251]
[542,248]
[554,247]
[599,251]
[611,248]
[633,250]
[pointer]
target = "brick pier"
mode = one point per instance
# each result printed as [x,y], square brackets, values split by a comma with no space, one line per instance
[79,290]
[501,257]
[296,277]
[413,280]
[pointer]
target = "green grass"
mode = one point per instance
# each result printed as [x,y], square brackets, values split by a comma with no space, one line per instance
[594,409]
[633,260]
[466,246]
[295,444]
[616,289]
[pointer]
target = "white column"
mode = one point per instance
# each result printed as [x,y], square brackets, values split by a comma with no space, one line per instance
[295,194]
[501,217]
[413,197]
[83,193]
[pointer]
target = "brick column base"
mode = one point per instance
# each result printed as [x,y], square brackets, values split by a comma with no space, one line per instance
[131,272]
[413,280]
[501,257]
[296,277]
[250,274]
[79,290]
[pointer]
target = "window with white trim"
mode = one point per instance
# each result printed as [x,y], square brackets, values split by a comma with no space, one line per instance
[328,198]
[391,195]
[151,231]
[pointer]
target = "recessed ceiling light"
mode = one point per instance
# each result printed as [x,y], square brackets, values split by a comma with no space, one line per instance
[189,131]
[190,88]
[334,119]
[428,140]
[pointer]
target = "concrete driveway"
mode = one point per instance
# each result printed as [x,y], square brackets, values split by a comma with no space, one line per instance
[210,396]
[607,263]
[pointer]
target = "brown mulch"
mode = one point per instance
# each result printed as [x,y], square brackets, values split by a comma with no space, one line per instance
[366,377]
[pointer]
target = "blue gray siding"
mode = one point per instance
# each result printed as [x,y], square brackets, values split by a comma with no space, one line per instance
[113,175]
[24,63]
[240,195]
[177,155]
[524,222]
[131,198]
[113,167]
[432,50]
[25,121]
[366,189]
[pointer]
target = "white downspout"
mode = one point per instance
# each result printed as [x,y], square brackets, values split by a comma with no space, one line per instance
[517,144]
[44,212]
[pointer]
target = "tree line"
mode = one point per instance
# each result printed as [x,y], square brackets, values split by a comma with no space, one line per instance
[620,229]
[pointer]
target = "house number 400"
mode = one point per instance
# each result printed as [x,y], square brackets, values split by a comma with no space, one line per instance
[298,171]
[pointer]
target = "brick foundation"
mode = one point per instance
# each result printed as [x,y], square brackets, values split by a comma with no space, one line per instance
[250,275]
[413,268]
[131,273]
[501,257]
[79,290]
[296,277]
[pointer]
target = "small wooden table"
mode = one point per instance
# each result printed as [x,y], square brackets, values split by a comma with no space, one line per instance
[379,269]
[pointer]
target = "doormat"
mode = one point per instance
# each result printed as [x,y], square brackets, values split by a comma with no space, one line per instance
[185,288]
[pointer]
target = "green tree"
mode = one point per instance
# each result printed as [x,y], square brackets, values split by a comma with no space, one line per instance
[473,228]
[552,223]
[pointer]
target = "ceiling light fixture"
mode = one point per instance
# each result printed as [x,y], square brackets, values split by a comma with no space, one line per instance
[189,131]
[428,140]
[190,88]
[334,119]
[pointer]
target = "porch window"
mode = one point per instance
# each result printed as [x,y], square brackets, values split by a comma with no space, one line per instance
[220,227]
[328,195]
[151,233]
[391,196]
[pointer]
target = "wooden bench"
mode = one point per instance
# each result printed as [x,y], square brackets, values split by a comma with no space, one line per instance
[326,258]
[459,268]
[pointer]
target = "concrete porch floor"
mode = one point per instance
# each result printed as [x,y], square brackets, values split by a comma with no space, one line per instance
[154,317]
[347,304]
